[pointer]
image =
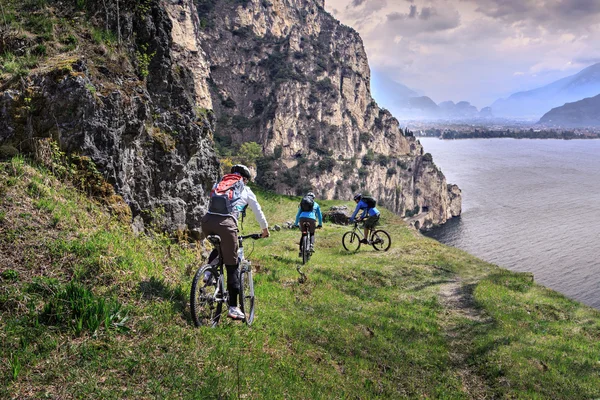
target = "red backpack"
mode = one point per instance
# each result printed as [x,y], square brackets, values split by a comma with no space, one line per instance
[225,194]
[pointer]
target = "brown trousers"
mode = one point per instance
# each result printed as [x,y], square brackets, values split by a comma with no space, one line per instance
[227,229]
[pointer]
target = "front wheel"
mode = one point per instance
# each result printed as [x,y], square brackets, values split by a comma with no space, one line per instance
[206,297]
[351,241]
[305,250]
[247,294]
[381,240]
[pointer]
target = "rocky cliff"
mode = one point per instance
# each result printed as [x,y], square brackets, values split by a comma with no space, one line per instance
[142,87]
[287,75]
[128,89]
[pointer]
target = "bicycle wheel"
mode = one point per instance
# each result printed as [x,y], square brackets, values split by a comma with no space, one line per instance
[305,255]
[351,241]
[247,294]
[205,304]
[380,240]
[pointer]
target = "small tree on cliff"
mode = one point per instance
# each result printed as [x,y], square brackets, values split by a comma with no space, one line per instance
[249,153]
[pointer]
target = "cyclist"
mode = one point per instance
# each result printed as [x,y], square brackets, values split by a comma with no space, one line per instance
[228,198]
[371,213]
[309,211]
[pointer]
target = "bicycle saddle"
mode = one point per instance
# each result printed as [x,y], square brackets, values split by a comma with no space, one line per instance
[214,239]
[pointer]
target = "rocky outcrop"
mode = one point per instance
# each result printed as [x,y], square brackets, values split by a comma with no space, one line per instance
[139,112]
[282,73]
[287,75]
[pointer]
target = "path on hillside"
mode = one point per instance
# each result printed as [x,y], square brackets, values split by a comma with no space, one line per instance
[457,299]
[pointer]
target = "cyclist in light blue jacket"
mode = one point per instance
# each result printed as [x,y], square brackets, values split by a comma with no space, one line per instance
[309,211]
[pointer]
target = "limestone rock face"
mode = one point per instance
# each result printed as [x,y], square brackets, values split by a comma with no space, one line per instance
[191,74]
[147,131]
[287,75]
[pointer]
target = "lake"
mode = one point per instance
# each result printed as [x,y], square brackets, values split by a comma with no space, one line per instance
[528,205]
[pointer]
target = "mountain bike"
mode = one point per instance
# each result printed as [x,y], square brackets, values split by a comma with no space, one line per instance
[379,239]
[305,250]
[208,294]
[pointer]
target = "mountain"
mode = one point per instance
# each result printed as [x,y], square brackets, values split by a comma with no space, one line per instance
[534,103]
[387,91]
[581,113]
[159,96]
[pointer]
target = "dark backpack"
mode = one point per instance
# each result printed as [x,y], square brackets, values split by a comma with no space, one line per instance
[371,202]
[307,204]
[225,194]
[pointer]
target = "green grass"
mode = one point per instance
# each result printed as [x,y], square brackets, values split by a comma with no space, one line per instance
[88,309]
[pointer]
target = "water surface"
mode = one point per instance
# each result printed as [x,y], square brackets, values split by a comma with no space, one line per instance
[528,205]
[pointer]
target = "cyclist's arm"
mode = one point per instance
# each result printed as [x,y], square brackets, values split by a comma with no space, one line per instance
[319,215]
[365,213]
[355,212]
[255,207]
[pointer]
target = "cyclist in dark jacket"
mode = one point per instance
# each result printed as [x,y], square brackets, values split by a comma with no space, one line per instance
[310,217]
[371,214]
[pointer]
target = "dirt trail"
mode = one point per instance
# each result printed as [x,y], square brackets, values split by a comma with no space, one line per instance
[457,299]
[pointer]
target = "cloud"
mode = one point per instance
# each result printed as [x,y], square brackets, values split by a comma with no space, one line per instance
[475,50]
[426,20]
[413,12]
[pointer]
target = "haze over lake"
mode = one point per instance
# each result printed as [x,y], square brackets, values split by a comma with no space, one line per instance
[528,205]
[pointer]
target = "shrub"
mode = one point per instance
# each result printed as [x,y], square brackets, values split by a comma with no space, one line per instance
[259,107]
[382,160]
[327,164]
[250,152]
[368,158]
[229,103]
[391,171]
[427,157]
[364,137]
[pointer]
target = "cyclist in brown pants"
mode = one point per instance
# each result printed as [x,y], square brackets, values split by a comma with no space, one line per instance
[221,219]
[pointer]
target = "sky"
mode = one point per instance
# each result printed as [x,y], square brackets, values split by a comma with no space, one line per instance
[474,50]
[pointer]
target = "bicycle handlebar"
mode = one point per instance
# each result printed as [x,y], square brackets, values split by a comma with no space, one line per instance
[254,236]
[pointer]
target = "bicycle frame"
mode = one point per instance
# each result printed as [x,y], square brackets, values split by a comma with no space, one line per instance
[221,295]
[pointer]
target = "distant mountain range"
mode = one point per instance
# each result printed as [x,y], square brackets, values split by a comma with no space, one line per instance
[534,103]
[584,112]
[406,103]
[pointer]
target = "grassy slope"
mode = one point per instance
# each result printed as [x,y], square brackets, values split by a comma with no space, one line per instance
[363,325]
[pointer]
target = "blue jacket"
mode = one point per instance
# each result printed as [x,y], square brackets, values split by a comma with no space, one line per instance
[367,211]
[314,214]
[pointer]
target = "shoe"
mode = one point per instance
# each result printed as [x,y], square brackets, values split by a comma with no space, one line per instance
[311,248]
[207,279]
[235,313]
[364,241]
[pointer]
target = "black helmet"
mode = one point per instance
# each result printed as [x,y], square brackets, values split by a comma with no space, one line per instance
[310,194]
[357,196]
[242,170]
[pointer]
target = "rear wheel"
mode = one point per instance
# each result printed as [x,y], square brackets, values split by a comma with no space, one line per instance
[381,240]
[206,297]
[305,254]
[247,294]
[351,241]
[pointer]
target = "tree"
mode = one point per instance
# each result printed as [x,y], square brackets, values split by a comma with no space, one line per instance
[249,153]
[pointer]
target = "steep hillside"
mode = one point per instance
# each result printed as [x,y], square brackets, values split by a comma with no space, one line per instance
[135,85]
[581,113]
[289,76]
[90,310]
[109,82]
